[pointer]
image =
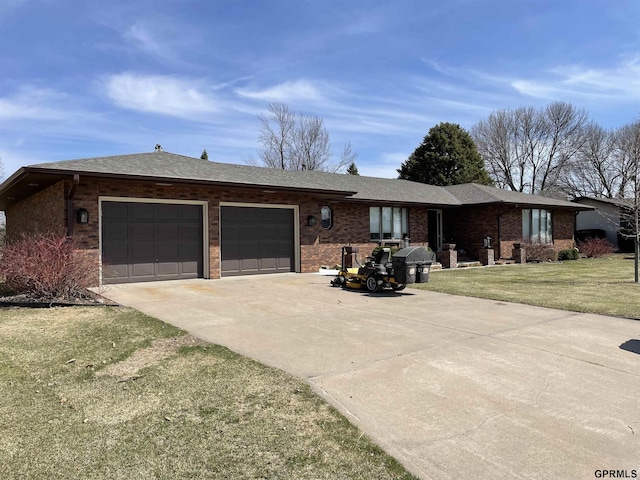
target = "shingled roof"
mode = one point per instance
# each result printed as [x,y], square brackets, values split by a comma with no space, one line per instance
[165,166]
[474,194]
[169,166]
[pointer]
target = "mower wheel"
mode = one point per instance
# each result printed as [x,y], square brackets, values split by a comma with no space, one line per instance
[398,286]
[372,284]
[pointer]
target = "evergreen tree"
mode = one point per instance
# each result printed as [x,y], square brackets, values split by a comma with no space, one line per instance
[205,155]
[352,170]
[446,156]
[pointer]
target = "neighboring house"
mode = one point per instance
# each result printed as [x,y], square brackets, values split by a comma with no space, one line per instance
[155,216]
[609,214]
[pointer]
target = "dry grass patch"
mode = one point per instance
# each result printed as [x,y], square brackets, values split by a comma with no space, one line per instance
[111,393]
[594,285]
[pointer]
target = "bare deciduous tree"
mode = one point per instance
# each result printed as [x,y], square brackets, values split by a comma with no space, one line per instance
[595,171]
[528,150]
[291,141]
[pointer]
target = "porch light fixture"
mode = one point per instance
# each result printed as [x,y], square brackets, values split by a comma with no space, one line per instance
[486,242]
[83,215]
[311,221]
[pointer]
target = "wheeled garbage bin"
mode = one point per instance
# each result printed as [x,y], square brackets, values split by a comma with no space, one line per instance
[412,265]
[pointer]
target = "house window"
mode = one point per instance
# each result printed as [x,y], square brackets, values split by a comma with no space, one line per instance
[387,223]
[536,225]
[327,217]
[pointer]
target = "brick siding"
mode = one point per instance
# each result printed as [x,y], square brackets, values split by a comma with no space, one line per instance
[468,226]
[43,212]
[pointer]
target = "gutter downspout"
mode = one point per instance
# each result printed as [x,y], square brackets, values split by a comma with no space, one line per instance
[70,194]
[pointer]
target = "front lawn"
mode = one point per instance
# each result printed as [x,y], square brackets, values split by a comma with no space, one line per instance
[101,392]
[595,285]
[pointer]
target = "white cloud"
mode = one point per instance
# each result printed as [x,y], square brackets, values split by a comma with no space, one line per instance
[32,104]
[620,82]
[298,90]
[165,95]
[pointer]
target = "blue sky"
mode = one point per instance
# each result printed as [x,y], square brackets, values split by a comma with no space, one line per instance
[84,78]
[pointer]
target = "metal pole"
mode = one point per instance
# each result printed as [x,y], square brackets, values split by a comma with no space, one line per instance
[636,244]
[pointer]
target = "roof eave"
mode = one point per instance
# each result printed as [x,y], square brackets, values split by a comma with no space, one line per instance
[165,179]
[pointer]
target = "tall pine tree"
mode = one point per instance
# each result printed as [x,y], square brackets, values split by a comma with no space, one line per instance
[446,156]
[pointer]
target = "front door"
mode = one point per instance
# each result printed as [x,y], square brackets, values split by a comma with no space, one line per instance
[434,226]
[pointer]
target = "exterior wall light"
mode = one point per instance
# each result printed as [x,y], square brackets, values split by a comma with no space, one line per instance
[83,215]
[486,242]
[311,221]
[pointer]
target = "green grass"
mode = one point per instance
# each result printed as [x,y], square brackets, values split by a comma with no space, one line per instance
[600,285]
[110,393]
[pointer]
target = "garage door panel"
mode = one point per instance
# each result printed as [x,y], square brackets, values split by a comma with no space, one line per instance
[267,231]
[191,269]
[249,264]
[268,248]
[247,215]
[153,242]
[188,232]
[115,250]
[268,263]
[231,251]
[168,268]
[141,211]
[117,270]
[116,231]
[166,212]
[141,231]
[115,211]
[256,240]
[166,231]
[142,269]
[191,213]
[141,249]
[230,265]
[167,250]
[248,231]
[188,250]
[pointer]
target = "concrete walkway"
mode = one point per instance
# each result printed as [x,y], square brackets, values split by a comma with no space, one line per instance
[453,387]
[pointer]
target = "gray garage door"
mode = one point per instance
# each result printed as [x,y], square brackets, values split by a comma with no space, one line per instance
[256,240]
[151,241]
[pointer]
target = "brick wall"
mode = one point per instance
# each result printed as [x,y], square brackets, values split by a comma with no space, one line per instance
[43,212]
[318,246]
[467,226]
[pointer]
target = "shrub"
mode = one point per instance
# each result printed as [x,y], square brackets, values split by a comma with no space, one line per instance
[568,254]
[539,252]
[46,266]
[596,247]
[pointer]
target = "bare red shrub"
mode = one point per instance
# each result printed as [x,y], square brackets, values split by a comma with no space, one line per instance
[46,266]
[595,247]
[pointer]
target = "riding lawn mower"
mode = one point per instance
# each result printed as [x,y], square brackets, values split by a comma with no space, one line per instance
[408,265]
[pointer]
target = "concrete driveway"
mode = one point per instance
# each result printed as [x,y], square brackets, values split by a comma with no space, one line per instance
[453,387]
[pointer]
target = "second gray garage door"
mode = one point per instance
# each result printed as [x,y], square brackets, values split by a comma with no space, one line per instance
[256,240]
